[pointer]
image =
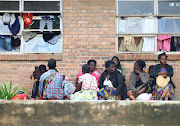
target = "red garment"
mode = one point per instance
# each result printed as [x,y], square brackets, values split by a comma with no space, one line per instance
[164,42]
[20,97]
[41,98]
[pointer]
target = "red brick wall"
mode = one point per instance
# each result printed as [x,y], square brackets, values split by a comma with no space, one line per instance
[88,33]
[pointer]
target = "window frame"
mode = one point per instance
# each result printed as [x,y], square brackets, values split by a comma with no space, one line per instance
[156,13]
[21,10]
[10,11]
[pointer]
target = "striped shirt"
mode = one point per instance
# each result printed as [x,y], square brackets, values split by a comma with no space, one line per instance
[54,89]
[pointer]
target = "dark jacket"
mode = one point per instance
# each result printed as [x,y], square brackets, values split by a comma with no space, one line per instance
[117,81]
[169,69]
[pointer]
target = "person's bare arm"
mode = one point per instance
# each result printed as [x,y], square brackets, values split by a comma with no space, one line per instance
[78,87]
[76,82]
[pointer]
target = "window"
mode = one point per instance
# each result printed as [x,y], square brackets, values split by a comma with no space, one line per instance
[9,5]
[135,7]
[169,7]
[147,26]
[40,26]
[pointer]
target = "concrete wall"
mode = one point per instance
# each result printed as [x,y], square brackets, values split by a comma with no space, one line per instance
[88,33]
[90,113]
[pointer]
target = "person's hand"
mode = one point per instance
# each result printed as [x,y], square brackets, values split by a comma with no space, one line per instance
[135,93]
[107,88]
[164,75]
[44,94]
[164,72]
[138,78]
[160,73]
[137,71]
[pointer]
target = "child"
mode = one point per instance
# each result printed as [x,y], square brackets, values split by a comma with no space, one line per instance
[87,86]
[36,75]
[151,79]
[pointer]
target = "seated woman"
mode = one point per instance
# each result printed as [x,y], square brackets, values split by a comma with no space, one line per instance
[93,71]
[118,65]
[111,83]
[163,69]
[87,86]
[138,80]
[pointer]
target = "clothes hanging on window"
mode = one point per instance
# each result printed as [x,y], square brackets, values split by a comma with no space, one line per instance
[168,26]
[148,26]
[119,42]
[173,46]
[177,43]
[122,26]
[129,43]
[4,28]
[135,26]
[139,43]
[161,25]
[121,46]
[43,23]
[137,40]
[28,35]
[164,42]
[46,20]
[148,44]
[5,40]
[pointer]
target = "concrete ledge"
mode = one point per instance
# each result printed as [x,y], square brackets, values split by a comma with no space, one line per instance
[115,113]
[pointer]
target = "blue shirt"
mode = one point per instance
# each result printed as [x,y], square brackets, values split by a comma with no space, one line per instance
[164,70]
[54,89]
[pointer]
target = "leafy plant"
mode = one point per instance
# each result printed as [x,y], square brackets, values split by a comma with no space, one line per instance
[8,94]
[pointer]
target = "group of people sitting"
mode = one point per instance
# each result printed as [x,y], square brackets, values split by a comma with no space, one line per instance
[156,84]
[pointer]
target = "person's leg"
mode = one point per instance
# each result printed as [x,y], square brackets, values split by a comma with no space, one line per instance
[130,95]
[8,43]
[167,96]
[164,93]
[36,87]
[34,92]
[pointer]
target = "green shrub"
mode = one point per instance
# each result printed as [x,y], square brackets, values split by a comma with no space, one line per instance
[8,94]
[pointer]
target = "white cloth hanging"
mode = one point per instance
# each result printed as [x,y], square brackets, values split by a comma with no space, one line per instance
[148,26]
[148,45]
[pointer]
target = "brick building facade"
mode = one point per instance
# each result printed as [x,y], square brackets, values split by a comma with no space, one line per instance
[89,32]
